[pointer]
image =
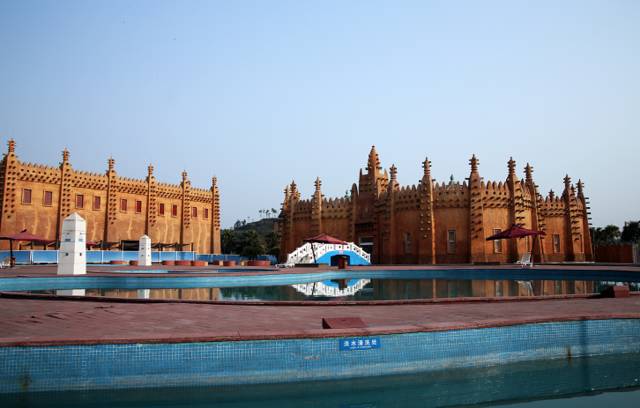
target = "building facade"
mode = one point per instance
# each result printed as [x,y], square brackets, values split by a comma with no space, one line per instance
[449,222]
[117,209]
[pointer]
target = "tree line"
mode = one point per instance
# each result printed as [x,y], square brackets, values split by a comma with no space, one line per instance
[251,239]
[611,234]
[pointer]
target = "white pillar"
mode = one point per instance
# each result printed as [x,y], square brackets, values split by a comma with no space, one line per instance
[144,251]
[72,257]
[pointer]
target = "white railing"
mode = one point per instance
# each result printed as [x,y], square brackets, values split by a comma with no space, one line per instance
[305,253]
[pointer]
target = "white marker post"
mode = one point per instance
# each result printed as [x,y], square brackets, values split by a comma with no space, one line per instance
[144,251]
[72,257]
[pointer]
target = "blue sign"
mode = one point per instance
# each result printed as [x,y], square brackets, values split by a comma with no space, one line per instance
[359,343]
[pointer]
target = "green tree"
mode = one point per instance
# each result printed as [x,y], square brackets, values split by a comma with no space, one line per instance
[605,236]
[251,245]
[229,241]
[272,244]
[631,232]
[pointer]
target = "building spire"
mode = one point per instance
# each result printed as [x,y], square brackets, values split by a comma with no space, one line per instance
[567,183]
[426,166]
[185,175]
[150,170]
[12,145]
[318,185]
[214,182]
[580,185]
[65,155]
[528,172]
[111,163]
[511,165]
[373,164]
[474,163]
[394,173]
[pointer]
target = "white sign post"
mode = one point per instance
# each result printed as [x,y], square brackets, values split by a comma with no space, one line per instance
[72,258]
[144,251]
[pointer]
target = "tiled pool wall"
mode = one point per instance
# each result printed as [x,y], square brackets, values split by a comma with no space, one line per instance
[111,366]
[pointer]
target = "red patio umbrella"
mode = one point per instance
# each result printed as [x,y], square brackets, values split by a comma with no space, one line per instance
[22,236]
[516,231]
[323,239]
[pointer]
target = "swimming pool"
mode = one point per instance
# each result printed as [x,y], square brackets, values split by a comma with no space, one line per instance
[587,381]
[327,285]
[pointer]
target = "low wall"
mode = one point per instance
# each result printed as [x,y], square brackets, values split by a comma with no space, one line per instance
[620,253]
[28,257]
[24,257]
[112,366]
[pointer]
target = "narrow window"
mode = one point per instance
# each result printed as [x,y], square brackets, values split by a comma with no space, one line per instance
[123,204]
[174,210]
[497,243]
[407,243]
[206,213]
[96,202]
[138,206]
[79,201]
[194,212]
[47,199]
[161,209]
[451,241]
[26,196]
[556,243]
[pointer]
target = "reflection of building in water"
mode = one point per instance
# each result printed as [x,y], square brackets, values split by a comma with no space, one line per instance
[439,288]
[330,288]
[177,294]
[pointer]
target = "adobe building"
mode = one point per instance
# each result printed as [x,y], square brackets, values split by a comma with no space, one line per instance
[449,222]
[116,209]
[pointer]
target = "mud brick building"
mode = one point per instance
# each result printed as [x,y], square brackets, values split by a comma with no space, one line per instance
[448,222]
[117,209]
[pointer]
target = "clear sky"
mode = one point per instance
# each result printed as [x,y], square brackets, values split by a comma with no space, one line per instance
[260,92]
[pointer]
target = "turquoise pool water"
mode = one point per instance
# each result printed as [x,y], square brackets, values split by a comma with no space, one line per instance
[352,289]
[326,285]
[580,382]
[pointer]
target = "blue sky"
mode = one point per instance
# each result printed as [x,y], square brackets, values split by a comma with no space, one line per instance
[260,92]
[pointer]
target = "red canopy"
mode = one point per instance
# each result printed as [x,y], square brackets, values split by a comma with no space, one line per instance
[25,236]
[325,239]
[515,231]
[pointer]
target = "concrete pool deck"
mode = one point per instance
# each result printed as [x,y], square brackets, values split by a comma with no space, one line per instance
[28,320]
[46,319]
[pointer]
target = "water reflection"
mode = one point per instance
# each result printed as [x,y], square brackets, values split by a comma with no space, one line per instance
[332,288]
[361,289]
[527,384]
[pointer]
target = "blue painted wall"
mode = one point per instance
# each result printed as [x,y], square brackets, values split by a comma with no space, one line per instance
[354,258]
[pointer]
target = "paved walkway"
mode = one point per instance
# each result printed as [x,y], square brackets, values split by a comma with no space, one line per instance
[29,321]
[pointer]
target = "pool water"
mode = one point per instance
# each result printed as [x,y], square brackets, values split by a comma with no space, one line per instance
[355,289]
[580,382]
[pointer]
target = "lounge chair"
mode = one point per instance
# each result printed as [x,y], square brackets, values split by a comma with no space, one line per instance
[6,263]
[525,260]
